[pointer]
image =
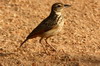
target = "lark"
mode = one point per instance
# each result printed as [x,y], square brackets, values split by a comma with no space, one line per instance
[50,26]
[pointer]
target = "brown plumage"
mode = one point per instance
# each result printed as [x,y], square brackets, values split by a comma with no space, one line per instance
[50,26]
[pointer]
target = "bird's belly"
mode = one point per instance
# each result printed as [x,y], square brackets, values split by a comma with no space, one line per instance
[55,30]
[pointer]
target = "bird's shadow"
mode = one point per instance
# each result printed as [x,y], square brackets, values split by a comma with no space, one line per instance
[91,59]
[6,54]
[87,58]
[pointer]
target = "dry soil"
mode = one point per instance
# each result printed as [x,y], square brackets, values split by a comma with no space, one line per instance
[77,45]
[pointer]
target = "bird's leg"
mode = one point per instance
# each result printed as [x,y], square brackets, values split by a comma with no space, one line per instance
[40,41]
[50,44]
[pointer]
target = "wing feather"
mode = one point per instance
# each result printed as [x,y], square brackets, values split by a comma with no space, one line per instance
[44,26]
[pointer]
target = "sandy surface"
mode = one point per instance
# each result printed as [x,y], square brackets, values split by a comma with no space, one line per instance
[77,45]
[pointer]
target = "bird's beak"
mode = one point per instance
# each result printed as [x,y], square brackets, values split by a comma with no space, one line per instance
[66,5]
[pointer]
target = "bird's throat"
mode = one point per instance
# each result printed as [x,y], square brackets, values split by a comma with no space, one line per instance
[55,13]
[58,13]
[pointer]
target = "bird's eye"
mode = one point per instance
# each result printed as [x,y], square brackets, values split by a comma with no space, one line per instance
[58,6]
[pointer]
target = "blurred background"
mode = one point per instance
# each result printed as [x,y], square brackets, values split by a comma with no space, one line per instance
[77,45]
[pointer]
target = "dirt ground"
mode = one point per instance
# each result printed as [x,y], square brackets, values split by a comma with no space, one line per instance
[77,45]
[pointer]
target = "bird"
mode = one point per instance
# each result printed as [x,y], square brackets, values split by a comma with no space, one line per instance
[51,25]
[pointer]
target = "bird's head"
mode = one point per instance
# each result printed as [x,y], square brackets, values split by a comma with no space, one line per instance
[58,7]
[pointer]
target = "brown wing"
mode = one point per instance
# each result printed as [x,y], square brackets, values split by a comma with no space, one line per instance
[44,26]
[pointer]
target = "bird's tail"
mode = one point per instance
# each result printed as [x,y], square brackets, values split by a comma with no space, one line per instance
[23,42]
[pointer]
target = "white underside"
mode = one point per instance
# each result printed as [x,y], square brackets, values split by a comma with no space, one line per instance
[55,30]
